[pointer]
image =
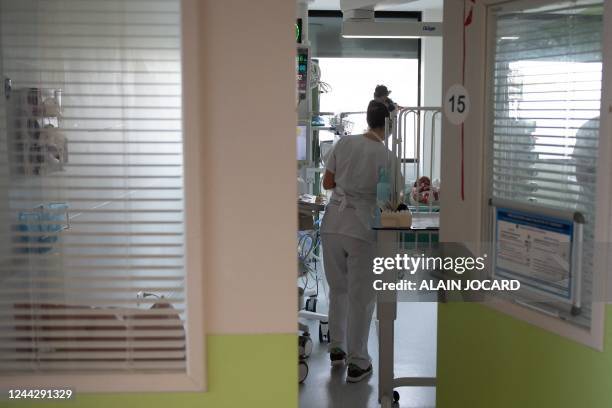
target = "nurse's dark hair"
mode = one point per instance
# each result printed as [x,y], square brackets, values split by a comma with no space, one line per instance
[377,113]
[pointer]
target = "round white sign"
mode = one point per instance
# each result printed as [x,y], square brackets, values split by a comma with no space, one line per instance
[457,104]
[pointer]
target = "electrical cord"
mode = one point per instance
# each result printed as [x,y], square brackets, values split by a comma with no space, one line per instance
[324,87]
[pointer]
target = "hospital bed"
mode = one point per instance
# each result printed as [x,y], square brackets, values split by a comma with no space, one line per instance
[415,134]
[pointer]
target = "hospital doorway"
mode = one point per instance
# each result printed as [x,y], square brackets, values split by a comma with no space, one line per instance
[345,75]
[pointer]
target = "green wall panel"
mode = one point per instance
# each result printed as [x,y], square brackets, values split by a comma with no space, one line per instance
[487,359]
[243,371]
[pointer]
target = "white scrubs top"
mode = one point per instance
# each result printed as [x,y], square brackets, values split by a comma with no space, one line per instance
[356,162]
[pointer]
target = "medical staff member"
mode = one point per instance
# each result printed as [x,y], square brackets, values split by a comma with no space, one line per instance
[348,241]
[381,94]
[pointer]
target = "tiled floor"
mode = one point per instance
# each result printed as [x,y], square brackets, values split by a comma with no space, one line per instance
[415,355]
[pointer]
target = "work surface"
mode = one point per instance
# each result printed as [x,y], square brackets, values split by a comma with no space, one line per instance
[420,221]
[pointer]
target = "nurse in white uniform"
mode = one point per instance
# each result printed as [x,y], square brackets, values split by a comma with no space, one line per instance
[348,241]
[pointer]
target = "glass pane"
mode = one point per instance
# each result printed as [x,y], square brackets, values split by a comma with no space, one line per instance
[352,82]
[547,77]
[91,176]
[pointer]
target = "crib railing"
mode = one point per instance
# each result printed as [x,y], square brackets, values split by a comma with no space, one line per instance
[415,132]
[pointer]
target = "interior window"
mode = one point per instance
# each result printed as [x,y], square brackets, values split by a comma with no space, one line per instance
[546,92]
[92,271]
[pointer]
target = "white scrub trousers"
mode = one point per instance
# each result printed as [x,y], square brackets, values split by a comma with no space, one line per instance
[348,268]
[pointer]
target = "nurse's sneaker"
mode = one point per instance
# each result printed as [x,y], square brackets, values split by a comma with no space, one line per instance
[337,356]
[355,373]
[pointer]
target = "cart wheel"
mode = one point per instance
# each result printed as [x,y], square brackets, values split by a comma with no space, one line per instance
[324,332]
[302,371]
[311,304]
[304,346]
[396,396]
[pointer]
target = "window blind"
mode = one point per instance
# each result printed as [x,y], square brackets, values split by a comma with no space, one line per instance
[546,92]
[91,168]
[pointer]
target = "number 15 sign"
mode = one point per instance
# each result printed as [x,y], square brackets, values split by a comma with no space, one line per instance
[456,104]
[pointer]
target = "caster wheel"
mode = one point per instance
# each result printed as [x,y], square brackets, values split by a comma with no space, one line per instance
[302,371]
[311,304]
[304,346]
[396,396]
[324,332]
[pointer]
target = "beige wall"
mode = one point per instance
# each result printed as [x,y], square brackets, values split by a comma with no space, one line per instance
[461,221]
[248,168]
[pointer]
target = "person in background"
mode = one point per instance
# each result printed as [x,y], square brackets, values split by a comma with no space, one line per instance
[586,141]
[352,172]
[381,94]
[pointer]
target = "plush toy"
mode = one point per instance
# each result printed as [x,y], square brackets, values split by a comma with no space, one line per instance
[423,192]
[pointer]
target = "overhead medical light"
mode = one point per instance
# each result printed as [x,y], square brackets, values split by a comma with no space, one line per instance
[361,23]
[374,29]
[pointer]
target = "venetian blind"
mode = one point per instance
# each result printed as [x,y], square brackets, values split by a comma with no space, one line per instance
[546,90]
[91,174]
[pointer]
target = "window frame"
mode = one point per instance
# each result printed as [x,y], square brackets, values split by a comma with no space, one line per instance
[594,337]
[194,379]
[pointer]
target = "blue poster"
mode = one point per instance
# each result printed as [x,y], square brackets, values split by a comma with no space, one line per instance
[536,250]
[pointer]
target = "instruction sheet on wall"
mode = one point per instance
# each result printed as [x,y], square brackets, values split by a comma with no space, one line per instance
[535,249]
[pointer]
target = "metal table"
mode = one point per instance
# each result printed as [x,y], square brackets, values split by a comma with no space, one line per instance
[386,313]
